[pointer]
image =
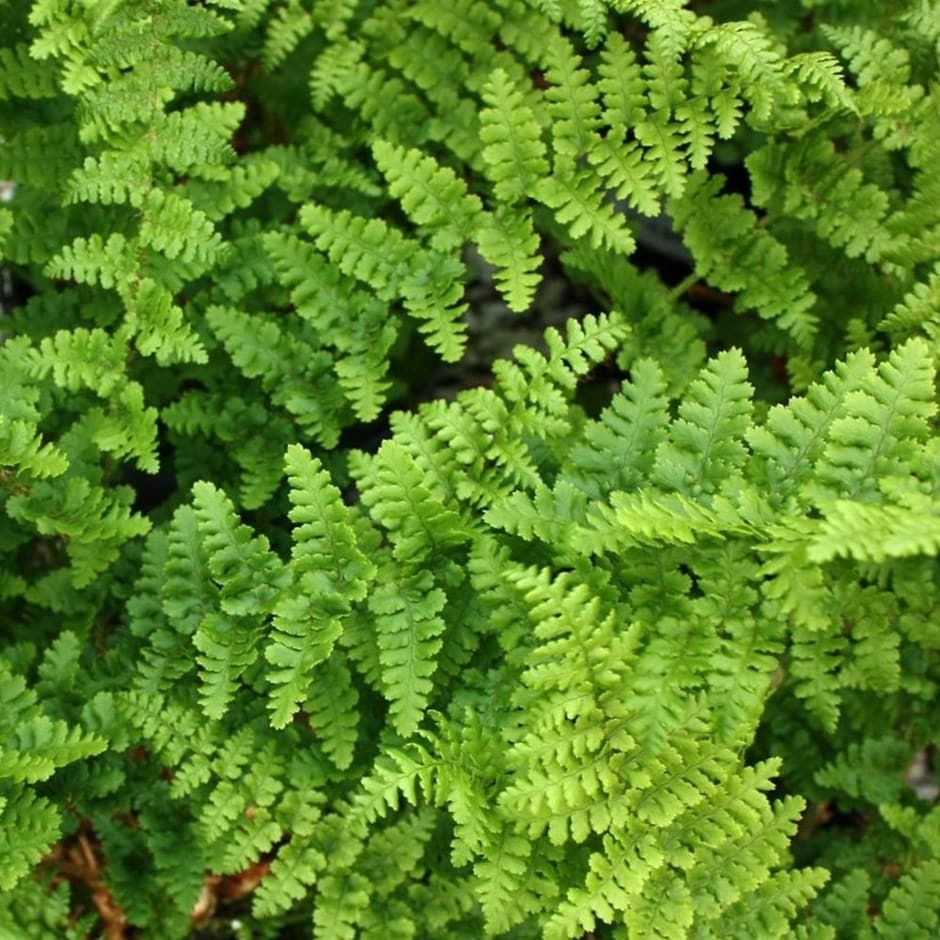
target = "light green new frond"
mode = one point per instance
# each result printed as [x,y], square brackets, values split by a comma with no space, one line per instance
[884,421]
[645,518]
[408,627]
[159,324]
[249,574]
[95,260]
[822,78]
[432,196]
[503,881]
[774,909]
[507,238]
[580,204]
[616,877]
[877,533]
[82,358]
[788,443]
[29,825]
[114,177]
[918,311]
[513,152]
[750,49]
[669,19]
[23,449]
[705,445]
[396,495]
[572,105]
[172,227]
[329,574]
[617,450]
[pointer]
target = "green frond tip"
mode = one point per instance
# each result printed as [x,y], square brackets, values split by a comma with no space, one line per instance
[706,442]
[328,574]
[249,578]
[432,196]
[408,632]
[513,151]
[877,533]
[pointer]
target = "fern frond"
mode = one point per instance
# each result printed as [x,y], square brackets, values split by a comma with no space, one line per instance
[617,450]
[432,196]
[23,449]
[877,533]
[249,574]
[395,493]
[580,205]
[172,227]
[887,417]
[793,436]
[705,445]
[408,627]
[508,240]
[329,574]
[513,152]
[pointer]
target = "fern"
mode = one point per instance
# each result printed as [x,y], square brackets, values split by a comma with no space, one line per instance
[468,469]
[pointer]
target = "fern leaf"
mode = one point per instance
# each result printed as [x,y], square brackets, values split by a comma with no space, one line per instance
[886,419]
[877,533]
[706,440]
[431,195]
[508,240]
[575,112]
[174,228]
[617,450]
[22,447]
[793,436]
[329,574]
[409,628]
[513,152]
[419,524]
[249,574]
[579,204]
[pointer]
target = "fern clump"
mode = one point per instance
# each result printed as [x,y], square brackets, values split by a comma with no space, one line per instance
[330,608]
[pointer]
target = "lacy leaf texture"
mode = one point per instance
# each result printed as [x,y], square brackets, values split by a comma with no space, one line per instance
[469,469]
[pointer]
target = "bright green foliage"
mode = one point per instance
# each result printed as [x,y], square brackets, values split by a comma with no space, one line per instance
[332,606]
